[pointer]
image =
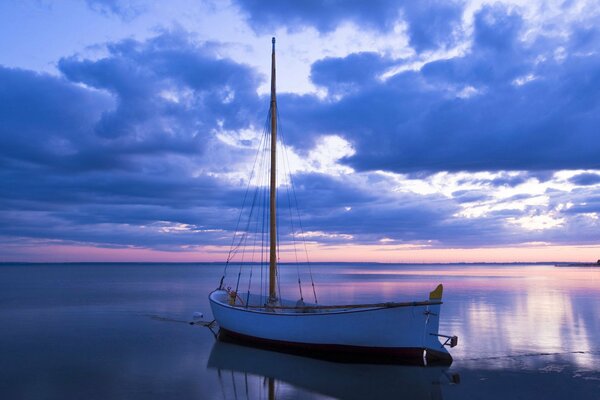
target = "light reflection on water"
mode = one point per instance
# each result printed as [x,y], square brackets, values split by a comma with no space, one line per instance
[86,331]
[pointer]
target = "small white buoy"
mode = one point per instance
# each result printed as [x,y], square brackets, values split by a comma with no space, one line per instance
[197,315]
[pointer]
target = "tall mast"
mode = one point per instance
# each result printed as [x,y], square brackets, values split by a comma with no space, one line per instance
[273,191]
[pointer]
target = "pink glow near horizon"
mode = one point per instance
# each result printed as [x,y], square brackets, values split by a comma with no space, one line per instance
[345,253]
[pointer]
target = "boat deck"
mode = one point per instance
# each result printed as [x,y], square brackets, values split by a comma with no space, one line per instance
[260,304]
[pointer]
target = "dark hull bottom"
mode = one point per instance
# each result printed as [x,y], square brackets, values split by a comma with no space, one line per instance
[343,353]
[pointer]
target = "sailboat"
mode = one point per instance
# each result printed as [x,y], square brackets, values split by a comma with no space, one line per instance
[390,332]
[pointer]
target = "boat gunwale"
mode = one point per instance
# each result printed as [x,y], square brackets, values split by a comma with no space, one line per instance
[351,308]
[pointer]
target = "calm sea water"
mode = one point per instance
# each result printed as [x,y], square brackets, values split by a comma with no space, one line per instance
[120,331]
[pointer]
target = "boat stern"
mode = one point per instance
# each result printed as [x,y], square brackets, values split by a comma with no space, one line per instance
[436,344]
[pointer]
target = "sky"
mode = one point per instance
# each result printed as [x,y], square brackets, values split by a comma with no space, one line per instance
[429,131]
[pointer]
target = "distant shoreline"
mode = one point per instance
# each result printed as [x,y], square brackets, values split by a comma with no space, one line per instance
[555,263]
[578,265]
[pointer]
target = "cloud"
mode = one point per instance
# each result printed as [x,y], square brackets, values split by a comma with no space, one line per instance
[347,75]
[124,9]
[433,23]
[115,146]
[497,28]
[470,196]
[325,16]
[44,119]
[430,23]
[165,81]
[585,179]
[424,120]
[147,144]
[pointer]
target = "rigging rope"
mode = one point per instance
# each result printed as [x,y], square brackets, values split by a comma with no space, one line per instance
[302,235]
[261,190]
[232,250]
[261,219]
[245,239]
[287,187]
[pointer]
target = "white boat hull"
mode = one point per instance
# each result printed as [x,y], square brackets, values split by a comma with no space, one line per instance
[379,334]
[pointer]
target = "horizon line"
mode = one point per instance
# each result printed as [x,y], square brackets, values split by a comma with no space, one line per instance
[304,263]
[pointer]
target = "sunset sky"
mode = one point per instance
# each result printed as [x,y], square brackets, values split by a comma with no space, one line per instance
[418,131]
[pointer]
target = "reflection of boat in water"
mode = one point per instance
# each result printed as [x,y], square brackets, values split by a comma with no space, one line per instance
[338,380]
[387,332]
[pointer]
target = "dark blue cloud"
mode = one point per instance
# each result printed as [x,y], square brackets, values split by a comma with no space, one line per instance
[125,9]
[497,55]
[116,149]
[506,105]
[585,179]
[138,73]
[584,38]
[585,205]
[339,207]
[431,23]
[469,196]
[324,15]
[45,119]
[504,179]
[497,29]
[354,72]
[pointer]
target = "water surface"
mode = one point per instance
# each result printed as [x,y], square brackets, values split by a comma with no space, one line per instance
[120,331]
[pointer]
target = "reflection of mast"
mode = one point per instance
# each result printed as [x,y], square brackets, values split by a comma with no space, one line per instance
[269,383]
[271,389]
[273,186]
